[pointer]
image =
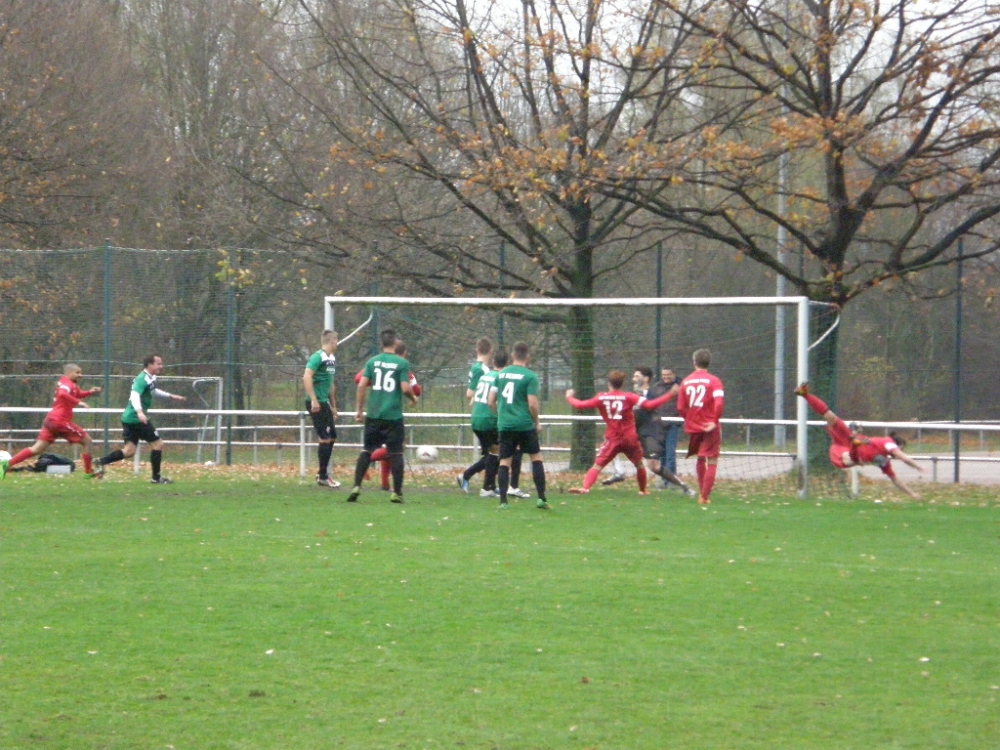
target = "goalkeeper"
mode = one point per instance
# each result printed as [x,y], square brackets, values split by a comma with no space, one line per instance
[848,448]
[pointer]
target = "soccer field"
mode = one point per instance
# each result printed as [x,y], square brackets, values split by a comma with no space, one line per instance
[245,609]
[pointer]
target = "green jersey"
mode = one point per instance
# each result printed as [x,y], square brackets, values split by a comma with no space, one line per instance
[475,372]
[386,372]
[513,386]
[483,418]
[324,368]
[142,388]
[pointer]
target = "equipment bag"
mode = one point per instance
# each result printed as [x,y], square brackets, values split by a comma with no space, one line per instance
[51,459]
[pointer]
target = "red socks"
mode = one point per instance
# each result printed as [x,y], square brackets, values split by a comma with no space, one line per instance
[708,481]
[21,455]
[816,404]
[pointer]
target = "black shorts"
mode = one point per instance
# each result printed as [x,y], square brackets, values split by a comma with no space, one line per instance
[526,441]
[323,420]
[387,432]
[487,439]
[652,447]
[133,433]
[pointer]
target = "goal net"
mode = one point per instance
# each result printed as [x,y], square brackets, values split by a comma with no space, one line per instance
[760,357]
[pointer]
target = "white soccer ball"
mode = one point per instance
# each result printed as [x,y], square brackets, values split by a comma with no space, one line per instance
[4,456]
[427,453]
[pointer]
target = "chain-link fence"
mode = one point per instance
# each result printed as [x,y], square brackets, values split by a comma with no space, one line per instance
[235,327]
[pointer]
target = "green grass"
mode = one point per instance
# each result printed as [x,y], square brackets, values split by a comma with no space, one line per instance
[252,611]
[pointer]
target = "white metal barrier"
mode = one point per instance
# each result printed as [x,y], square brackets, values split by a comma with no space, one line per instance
[980,466]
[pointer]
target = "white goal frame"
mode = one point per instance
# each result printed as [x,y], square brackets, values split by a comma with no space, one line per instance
[801,304]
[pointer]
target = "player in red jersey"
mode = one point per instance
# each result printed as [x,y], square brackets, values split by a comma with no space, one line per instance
[58,422]
[700,401]
[381,454]
[616,407]
[848,448]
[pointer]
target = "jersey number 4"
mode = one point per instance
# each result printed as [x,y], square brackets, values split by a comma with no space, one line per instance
[508,393]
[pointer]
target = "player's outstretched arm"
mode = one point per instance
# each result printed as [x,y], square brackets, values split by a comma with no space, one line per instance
[576,403]
[897,453]
[904,487]
[650,404]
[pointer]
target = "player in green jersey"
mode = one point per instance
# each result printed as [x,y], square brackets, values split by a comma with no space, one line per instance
[484,421]
[478,395]
[388,376]
[321,402]
[135,421]
[514,398]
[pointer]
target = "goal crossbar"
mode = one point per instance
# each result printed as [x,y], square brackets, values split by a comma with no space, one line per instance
[567,301]
[801,304]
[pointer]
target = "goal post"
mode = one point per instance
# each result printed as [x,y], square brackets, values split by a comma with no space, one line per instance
[335,306]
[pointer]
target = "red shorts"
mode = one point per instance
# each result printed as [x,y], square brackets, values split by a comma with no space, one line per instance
[611,448]
[837,454]
[705,444]
[52,431]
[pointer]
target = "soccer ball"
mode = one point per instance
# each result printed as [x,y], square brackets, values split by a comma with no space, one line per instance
[427,453]
[5,456]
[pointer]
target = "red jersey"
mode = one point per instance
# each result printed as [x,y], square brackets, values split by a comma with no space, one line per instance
[68,395]
[876,450]
[617,411]
[700,401]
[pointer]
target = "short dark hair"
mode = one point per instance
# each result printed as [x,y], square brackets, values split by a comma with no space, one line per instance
[646,372]
[484,346]
[616,378]
[149,359]
[897,439]
[702,358]
[520,351]
[388,338]
[501,359]
[400,347]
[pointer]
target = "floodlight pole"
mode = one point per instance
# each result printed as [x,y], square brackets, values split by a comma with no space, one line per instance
[958,358]
[782,239]
[659,310]
[779,311]
[106,418]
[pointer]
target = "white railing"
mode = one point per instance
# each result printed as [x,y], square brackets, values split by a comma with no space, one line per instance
[289,433]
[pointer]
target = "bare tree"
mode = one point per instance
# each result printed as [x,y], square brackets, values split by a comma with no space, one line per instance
[73,129]
[867,132]
[481,124]
[200,63]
